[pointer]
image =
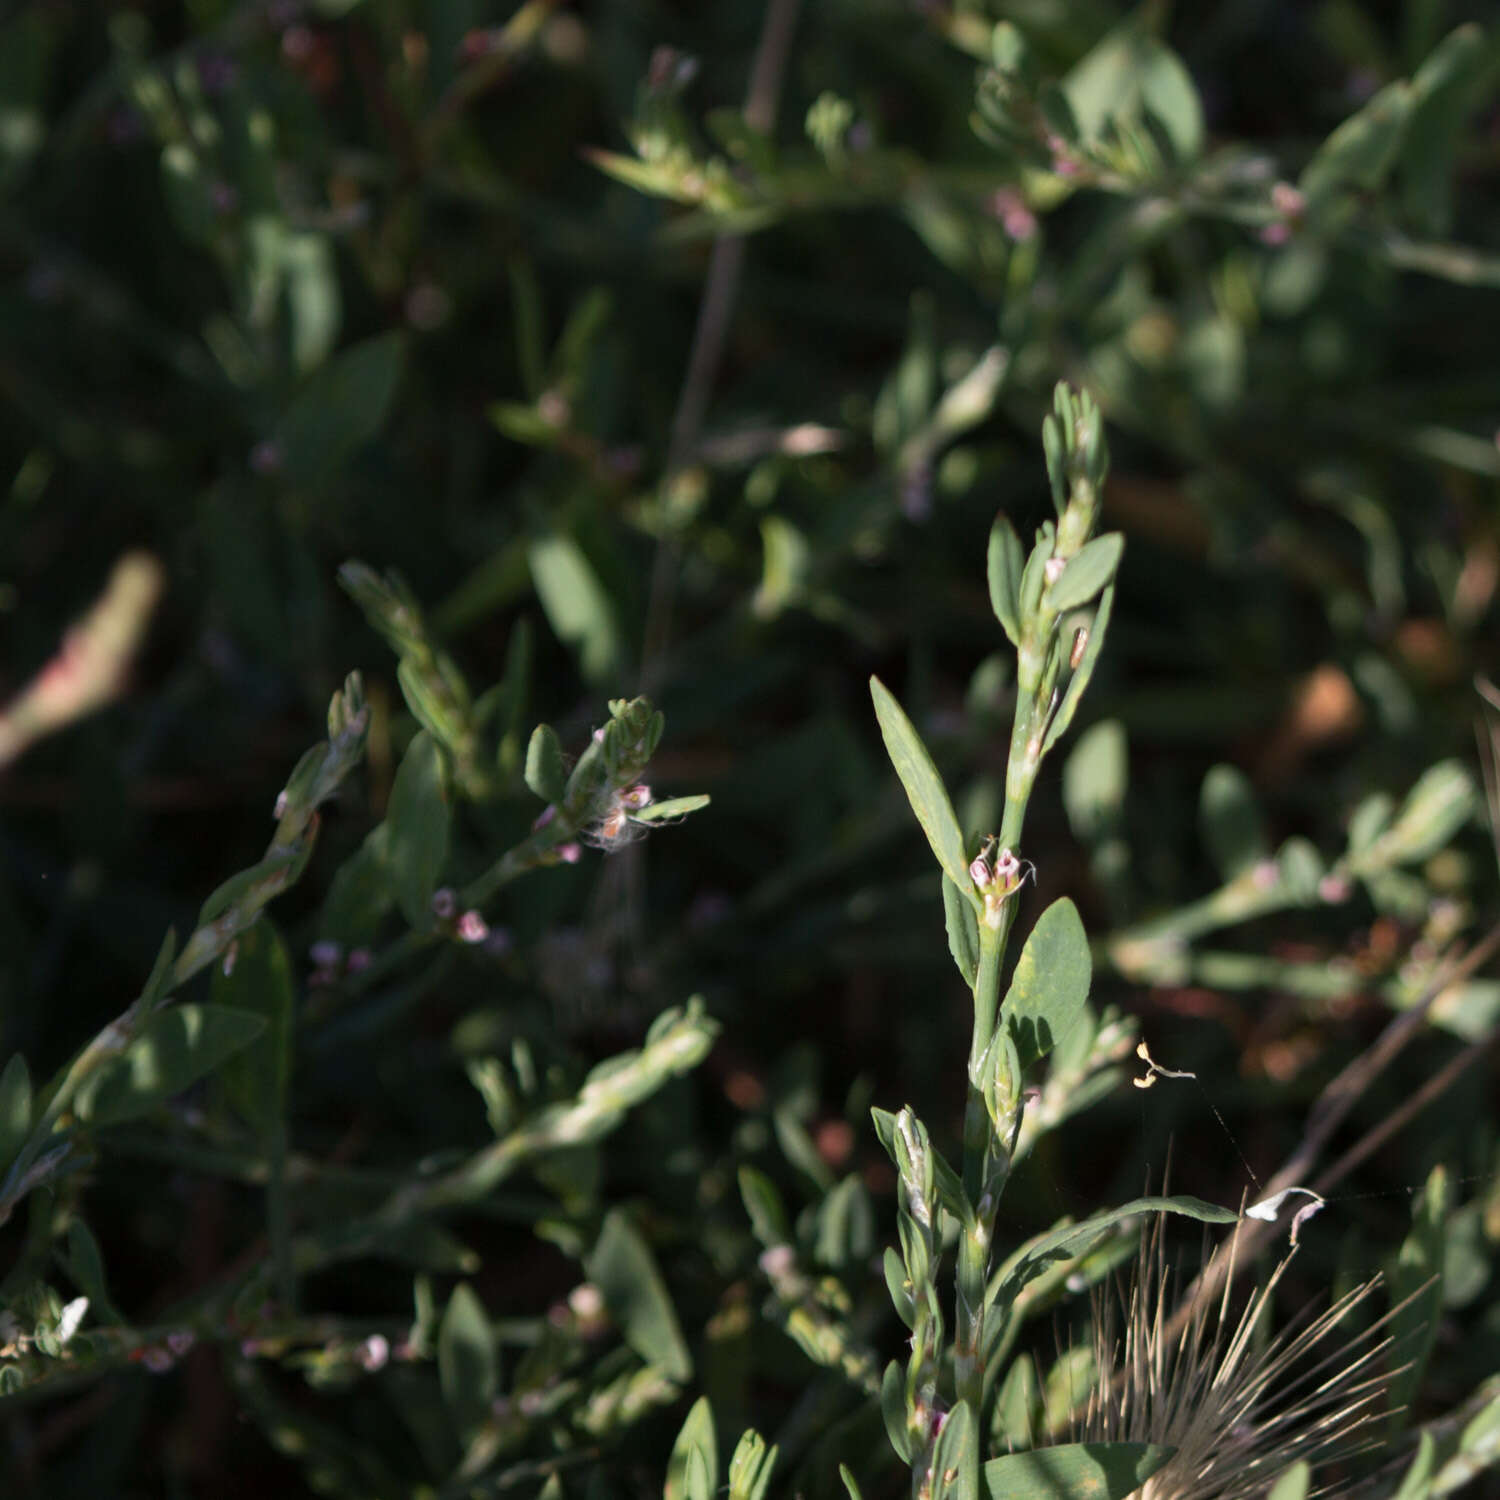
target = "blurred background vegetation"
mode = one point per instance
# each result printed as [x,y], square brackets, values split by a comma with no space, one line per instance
[419,283]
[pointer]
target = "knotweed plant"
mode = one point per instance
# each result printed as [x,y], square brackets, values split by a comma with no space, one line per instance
[1194,1403]
[1054,606]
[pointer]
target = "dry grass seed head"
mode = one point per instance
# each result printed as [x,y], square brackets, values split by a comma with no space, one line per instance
[1239,1406]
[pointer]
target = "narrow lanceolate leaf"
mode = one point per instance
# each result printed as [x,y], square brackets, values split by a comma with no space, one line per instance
[750,1467]
[924,787]
[963,931]
[545,773]
[418,821]
[893,1410]
[1051,982]
[673,807]
[175,1049]
[1073,1240]
[468,1372]
[1073,693]
[260,983]
[955,1459]
[1360,152]
[1087,573]
[622,1267]
[1416,1283]
[1230,821]
[697,1438]
[15,1109]
[1074,1471]
[1005,577]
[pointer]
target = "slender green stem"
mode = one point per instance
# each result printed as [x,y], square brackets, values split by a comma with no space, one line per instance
[986,993]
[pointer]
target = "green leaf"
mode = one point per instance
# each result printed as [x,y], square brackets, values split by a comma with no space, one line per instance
[955,1458]
[86,1266]
[360,893]
[851,1487]
[1416,1483]
[1004,561]
[750,1468]
[1231,823]
[159,984]
[1018,1405]
[1073,693]
[1434,810]
[763,1204]
[176,1048]
[783,580]
[898,1286]
[893,1410]
[844,1226]
[924,787]
[417,822]
[260,983]
[545,773]
[1073,1240]
[1095,777]
[576,605]
[1360,152]
[1087,573]
[1075,1471]
[468,1367]
[1445,90]
[1128,73]
[673,807]
[1050,983]
[342,406]
[1073,1375]
[1416,1282]
[963,931]
[1294,1483]
[622,1267]
[1369,820]
[697,1439]
[15,1109]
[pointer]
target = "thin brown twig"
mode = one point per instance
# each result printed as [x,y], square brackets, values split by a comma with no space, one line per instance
[1434,1088]
[1333,1107]
[720,287]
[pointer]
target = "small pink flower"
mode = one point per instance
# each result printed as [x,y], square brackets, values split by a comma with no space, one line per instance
[472,928]
[570,854]
[374,1352]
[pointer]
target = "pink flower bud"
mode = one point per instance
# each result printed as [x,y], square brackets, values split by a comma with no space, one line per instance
[570,854]
[444,903]
[374,1352]
[472,928]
